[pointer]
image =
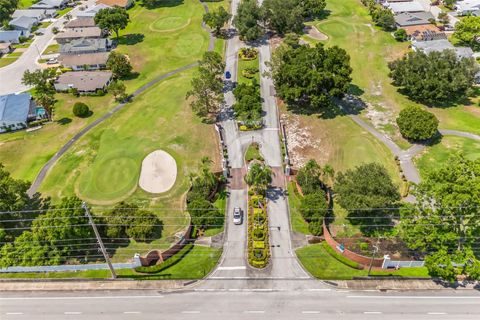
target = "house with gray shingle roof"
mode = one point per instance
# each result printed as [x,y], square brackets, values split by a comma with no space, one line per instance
[80,46]
[78,33]
[407,19]
[12,36]
[23,24]
[49,4]
[15,111]
[83,81]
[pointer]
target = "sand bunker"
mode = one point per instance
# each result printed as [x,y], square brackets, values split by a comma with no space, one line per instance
[313,32]
[159,172]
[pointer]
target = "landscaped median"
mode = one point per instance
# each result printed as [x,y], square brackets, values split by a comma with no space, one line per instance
[258,244]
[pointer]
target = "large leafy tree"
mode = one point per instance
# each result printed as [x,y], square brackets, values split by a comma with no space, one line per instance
[7,7]
[417,123]
[247,20]
[367,192]
[248,104]
[18,207]
[113,19]
[204,214]
[259,177]
[437,77]
[42,82]
[127,220]
[119,64]
[207,86]
[444,224]
[217,19]
[467,30]
[308,77]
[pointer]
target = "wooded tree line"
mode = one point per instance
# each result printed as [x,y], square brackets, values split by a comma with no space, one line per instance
[33,231]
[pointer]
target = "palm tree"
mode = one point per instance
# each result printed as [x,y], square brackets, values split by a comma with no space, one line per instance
[259,177]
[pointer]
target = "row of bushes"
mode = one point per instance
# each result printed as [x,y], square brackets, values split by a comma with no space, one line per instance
[248,54]
[167,263]
[258,241]
[340,258]
[383,17]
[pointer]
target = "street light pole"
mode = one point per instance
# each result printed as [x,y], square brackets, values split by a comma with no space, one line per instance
[375,250]
[99,239]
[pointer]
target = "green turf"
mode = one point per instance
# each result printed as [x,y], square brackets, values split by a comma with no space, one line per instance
[5,61]
[350,27]
[297,221]
[64,11]
[242,65]
[53,48]
[439,153]
[253,152]
[24,4]
[196,264]
[322,265]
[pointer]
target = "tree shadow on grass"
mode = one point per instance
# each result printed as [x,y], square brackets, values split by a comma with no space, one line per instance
[64,121]
[131,76]
[154,4]
[465,100]
[131,39]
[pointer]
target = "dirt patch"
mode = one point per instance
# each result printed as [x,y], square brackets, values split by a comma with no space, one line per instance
[394,247]
[313,33]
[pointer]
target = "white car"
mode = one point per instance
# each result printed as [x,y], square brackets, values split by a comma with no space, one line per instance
[237,215]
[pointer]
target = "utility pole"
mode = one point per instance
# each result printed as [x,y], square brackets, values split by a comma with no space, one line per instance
[99,239]
[375,250]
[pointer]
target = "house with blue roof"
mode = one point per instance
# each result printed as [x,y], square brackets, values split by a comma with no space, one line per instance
[12,36]
[16,110]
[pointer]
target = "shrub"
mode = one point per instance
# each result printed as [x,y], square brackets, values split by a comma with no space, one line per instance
[400,35]
[248,53]
[313,206]
[258,244]
[316,227]
[167,263]
[259,218]
[416,123]
[341,258]
[81,110]
[249,73]
[258,234]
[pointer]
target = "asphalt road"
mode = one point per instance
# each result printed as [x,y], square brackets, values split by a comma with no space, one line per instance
[299,304]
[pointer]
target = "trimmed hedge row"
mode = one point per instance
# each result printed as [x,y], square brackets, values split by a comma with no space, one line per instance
[258,244]
[341,258]
[167,263]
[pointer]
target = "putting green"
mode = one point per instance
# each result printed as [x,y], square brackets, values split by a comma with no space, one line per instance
[169,24]
[189,45]
[113,177]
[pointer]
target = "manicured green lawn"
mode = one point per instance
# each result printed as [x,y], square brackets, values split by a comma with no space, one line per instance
[323,266]
[24,153]
[242,65]
[5,61]
[221,204]
[24,4]
[196,264]
[350,27]
[53,48]
[64,11]
[298,223]
[440,152]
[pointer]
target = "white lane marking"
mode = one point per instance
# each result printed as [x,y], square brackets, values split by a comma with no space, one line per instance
[343,290]
[131,312]
[13,313]
[436,313]
[232,268]
[372,312]
[191,312]
[412,297]
[81,298]
[72,312]
[310,312]
[253,311]
[319,290]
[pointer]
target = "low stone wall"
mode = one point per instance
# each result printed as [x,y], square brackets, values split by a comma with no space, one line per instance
[365,261]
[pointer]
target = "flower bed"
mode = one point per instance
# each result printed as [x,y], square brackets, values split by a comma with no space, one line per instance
[258,237]
[248,53]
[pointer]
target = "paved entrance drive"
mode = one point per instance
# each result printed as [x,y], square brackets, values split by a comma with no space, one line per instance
[236,181]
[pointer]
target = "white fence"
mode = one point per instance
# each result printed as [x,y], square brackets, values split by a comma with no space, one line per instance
[388,263]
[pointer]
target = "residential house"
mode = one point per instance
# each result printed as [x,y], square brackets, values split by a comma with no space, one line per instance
[406,19]
[88,61]
[90,13]
[78,33]
[5,48]
[82,46]
[441,45]
[468,7]
[425,32]
[39,14]
[400,7]
[12,36]
[23,24]
[83,81]
[15,111]
[80,23]
[119,3]
[50,4]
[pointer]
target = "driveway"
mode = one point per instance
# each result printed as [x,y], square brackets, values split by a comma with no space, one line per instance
[11,75]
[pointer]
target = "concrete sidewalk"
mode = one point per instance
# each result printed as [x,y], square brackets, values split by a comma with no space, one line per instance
[90,285]
[402,284]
